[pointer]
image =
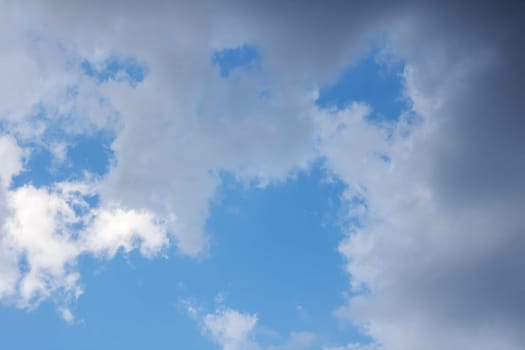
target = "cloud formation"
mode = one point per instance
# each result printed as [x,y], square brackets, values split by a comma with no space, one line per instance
[234,330]
[45,231]
[438,252]
[231,329]
[440,248]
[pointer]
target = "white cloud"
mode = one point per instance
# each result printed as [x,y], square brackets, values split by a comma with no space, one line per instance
[45,230]
[235,330]
[113,229]
[11,156]
[37,230]
[67,315]
[230,329]
[9,273]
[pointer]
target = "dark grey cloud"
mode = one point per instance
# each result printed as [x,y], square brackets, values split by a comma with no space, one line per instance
[451,259]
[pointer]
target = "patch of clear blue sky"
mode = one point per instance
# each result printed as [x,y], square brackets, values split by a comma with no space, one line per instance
[371,80]
[243,57]
[273,251]
[116,68]
[85,153]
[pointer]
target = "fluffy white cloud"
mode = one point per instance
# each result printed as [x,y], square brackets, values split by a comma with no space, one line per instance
[44,230]
[37,231]
[113,229]
[231,329]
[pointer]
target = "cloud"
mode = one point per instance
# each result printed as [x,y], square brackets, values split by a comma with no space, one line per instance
[353,346]
[228,328]
[67,315]
[113,229]
[232,330]
[11,156]
[298,340]
[172,140]
[179,128]
[45,230]
[438,252]
[37,232]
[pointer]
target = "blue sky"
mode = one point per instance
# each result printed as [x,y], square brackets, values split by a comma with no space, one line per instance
[304,282]
[261,175]
[134,302]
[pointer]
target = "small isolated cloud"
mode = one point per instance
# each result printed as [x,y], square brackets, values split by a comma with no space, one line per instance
[228,328]
[231,329]
[66,315]
[235,330]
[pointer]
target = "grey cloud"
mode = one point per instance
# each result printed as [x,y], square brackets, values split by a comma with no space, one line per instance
[444,260]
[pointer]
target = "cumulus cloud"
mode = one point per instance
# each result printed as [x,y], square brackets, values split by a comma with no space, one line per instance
[230,329]
[45,230]
[440,247]
[113,229]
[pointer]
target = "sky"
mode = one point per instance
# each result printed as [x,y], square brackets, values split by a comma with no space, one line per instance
[247,175]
